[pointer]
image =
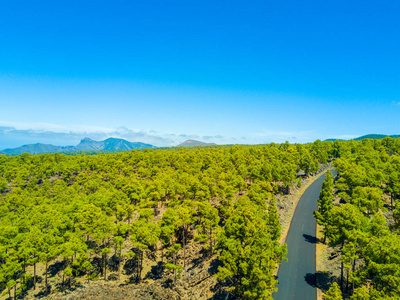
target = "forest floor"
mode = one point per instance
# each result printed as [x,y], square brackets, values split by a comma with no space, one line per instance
[195,282]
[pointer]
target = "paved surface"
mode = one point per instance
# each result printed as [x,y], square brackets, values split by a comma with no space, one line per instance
[297,276]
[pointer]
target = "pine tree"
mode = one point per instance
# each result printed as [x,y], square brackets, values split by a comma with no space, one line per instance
[247,252]
[143,235]
[334,292]
[341,223]
[396,215]
[209,224]
[325,203]
[367,199]
[274,223]
[172,251]
[185,217]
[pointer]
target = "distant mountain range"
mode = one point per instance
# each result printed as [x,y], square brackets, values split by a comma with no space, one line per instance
[370,136]
[110,144]
[194,143]
[114,144]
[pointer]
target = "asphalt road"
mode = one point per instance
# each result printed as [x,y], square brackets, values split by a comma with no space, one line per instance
[297,276]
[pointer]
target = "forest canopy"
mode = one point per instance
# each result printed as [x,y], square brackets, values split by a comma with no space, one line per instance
[92,214]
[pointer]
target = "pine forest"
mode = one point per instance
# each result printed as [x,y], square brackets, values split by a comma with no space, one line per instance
[163,220]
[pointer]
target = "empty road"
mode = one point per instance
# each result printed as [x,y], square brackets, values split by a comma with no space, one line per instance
[297,276]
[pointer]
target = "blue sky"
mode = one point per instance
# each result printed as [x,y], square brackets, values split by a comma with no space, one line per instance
[219,71]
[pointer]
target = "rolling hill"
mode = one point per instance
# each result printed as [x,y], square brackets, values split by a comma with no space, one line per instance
[369,136]
[376,136]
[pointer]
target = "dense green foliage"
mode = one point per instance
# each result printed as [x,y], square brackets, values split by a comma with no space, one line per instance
[363,225]
[334,293]
[92,214]
[325,203]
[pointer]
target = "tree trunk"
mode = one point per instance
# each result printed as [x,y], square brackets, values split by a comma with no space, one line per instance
[137,268]
[15,292]
[391,200]
[341,276]
[46,275]
[141,265]
[175,269]
[184,249]
[119,265]
[105,266]
[115,254]
[354,269]
[341,271]
[34,276]
[211,247]
[62,285]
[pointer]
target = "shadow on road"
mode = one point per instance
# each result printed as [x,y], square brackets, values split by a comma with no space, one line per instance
[309,238]
[311,279]
[320,280]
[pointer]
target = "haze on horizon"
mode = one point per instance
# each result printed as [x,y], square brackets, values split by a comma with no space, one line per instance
[217,71]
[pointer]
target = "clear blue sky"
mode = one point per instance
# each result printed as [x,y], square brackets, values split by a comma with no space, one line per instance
[225,71]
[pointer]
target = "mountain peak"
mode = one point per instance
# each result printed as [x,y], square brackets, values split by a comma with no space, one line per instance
[86,140]
[111,139]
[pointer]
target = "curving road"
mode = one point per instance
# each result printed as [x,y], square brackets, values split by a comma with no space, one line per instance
[297,276]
